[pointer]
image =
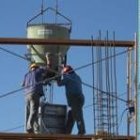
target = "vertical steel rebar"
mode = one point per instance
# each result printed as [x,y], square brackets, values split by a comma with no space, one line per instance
[93,78]
[138,80]
[115,86]
[128,86]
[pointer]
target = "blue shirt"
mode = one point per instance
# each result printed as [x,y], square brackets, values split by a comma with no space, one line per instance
[73,86]
[33,81]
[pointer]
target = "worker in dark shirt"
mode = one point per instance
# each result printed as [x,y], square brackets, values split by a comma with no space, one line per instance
[75,99]
[33,91]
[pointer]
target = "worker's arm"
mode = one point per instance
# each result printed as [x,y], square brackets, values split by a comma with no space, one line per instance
[23,83]
[63,81]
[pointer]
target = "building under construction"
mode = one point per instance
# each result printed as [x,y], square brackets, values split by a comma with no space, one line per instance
[48,43]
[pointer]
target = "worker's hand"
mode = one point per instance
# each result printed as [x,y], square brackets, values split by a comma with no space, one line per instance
[58,79]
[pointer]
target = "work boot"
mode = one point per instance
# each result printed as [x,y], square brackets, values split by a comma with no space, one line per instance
[30,131]
[81,128]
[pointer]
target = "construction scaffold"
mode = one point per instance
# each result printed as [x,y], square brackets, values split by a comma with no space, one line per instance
[105,95]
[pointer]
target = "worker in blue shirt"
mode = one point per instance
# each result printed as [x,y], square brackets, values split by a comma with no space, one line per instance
[33,91]
[75,99]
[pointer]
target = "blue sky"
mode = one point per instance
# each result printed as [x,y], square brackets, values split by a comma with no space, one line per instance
[88,17]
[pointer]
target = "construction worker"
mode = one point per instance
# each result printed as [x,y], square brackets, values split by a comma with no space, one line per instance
[75,99]
[33,91]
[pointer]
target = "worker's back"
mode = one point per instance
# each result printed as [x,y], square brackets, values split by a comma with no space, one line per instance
[73,83]
[32,81]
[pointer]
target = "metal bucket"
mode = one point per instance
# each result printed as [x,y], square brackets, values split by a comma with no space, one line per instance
[53,119]
[37,53]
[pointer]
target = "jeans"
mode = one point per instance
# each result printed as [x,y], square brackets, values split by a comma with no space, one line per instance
[32,105]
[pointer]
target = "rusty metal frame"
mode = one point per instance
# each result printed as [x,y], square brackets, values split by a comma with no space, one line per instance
[74,42]
[23,136]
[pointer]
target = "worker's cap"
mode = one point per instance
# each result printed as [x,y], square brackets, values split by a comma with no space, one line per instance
[67,69]
[33,65]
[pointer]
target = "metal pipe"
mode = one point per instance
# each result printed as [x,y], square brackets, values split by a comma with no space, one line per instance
[128,87]
[101,43]
[135,77]
[138,80]
[23,136]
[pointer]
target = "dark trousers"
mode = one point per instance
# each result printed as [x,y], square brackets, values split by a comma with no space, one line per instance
[76,115]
